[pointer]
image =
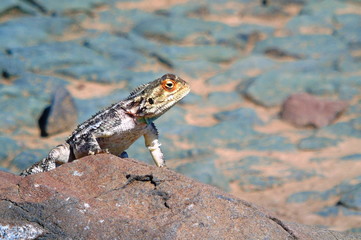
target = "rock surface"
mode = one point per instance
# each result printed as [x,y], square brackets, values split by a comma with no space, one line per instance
[105,197]
[303,109]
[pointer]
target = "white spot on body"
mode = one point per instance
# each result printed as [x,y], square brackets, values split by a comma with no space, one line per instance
[76,173]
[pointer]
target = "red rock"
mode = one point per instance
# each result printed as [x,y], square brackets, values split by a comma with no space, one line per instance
[106,197]
[303,109]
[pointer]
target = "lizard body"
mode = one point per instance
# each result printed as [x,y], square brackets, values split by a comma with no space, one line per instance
[115,128]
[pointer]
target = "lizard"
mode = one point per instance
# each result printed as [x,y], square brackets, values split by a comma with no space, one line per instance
[116,128]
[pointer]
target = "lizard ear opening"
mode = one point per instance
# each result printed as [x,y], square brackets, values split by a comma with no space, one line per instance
[150,101]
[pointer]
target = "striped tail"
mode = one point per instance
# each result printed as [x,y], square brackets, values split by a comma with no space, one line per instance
[59,155]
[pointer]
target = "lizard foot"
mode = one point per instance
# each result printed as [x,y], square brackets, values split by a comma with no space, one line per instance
[98,151]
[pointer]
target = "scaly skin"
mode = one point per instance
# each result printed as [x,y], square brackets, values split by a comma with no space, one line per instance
[115,128]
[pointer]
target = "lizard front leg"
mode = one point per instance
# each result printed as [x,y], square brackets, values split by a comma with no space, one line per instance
[87,145]
[153,145]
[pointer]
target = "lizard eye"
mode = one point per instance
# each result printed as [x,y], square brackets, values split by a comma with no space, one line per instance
[150,100]
[168,85]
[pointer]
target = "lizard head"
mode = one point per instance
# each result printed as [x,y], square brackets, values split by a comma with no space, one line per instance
[155,98]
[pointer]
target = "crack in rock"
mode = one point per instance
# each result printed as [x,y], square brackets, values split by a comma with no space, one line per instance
[153,180]
[142,178]
[282,225]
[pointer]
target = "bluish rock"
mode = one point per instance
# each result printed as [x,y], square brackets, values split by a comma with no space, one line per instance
[352,199]
[224,99]
[354,108]
[333,211]
[303,46]
[349,129]
[122,20]
[255,29]
[195,68]
[39,86]
[205,171]
[176,29]
[318,159]
[23,103]
[301,197]
[189,8]
[246,166]
[135,79]
[259,11]
[350,212]
[352,157]
[192,98]
[68,5]
[329,211]
[9,148]
[229,76]
[337,190]
[262,142]
[322,89]
[102,72]
[7,4]
[316,143]
[322,8]
[294,174]
[211,53]
[56,55]
[307,24]
[348,63]
[259,183]
[26,31]
[176,116]
[349,32]
[272,88]
[10,67]
[120,50]
[253,63]
[246,117]
[28,157]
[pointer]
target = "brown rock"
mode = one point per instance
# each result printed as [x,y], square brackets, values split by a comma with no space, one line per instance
[303,109]
[105,197]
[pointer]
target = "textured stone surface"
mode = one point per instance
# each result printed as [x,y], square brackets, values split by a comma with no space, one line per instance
[107,197]
[303,109]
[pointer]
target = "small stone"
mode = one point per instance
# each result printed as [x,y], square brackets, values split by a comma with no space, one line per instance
[352,199]
[303,109]
[60,116]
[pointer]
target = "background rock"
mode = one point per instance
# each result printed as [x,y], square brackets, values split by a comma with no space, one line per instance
[303,109]
[60,116]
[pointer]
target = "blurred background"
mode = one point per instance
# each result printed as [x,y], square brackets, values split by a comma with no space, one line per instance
[274,112]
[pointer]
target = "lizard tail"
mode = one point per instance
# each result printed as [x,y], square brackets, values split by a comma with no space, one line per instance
[59,155]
